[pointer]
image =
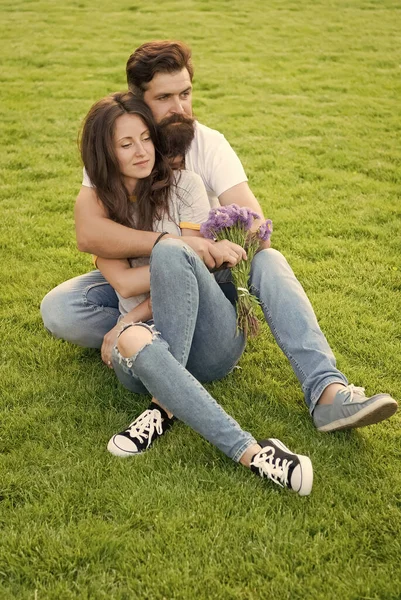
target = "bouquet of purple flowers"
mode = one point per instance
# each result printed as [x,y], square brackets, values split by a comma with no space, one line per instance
[234,223]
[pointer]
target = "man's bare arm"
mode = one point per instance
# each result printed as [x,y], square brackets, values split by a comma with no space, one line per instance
[98,234]
[242,195]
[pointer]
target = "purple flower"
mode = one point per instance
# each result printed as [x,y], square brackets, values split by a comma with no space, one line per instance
[228,216]
[265,230]
[246,216]
[218,219]
[231,209]
[233,223]
[206,231]
[223,219]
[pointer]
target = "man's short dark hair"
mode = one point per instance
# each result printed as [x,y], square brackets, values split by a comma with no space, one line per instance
[165,56]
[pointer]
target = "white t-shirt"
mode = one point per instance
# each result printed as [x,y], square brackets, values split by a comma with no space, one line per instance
[211,156]
[213,159]
[188,203]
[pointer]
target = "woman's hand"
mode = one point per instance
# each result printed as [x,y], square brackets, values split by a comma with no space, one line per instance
[109,341]
[141,313]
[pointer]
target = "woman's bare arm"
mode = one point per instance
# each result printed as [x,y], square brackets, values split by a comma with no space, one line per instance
[126,280]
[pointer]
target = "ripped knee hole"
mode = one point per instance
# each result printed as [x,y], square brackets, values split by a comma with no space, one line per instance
[134,338]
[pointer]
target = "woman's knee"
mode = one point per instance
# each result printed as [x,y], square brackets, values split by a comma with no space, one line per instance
[169,247]
[133,339]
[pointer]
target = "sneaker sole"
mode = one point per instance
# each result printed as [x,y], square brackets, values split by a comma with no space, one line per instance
[378,411]
[306,469]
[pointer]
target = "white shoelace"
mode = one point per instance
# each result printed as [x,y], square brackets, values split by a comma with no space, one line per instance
[144,426]
[351,388]
[271,468]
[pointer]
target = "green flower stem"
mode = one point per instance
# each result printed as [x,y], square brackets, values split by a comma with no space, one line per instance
[247,320]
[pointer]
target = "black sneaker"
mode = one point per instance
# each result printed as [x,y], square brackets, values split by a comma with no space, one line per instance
[276,462]
[141,433]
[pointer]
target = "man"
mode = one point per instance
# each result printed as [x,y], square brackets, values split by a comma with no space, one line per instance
[84,310]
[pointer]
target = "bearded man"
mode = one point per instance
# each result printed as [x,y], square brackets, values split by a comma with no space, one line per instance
[84,310]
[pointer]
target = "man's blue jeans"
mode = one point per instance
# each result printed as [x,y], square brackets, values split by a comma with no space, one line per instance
[82,310]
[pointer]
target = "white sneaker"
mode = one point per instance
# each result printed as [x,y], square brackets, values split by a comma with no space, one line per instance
[141,433]
[276,462]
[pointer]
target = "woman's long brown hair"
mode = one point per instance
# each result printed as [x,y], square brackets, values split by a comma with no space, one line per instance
[100,161]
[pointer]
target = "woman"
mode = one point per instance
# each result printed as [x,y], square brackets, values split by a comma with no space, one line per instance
[194,337]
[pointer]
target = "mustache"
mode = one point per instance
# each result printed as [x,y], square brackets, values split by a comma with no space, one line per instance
[176,118]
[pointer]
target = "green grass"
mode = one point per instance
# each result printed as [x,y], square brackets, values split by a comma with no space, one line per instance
[308,94]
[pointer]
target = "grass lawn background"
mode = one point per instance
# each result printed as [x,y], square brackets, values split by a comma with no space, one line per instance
[308,94]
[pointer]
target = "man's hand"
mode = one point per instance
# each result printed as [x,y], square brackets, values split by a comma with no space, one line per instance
[264,245]
[228,253]
[109,341]
[242,195]
[214,254]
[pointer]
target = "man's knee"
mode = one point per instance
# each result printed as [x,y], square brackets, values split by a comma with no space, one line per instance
[56,310]
[50,312]
[271,259]
[270,254]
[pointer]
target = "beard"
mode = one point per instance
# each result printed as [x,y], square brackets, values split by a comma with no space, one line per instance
[176,133]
